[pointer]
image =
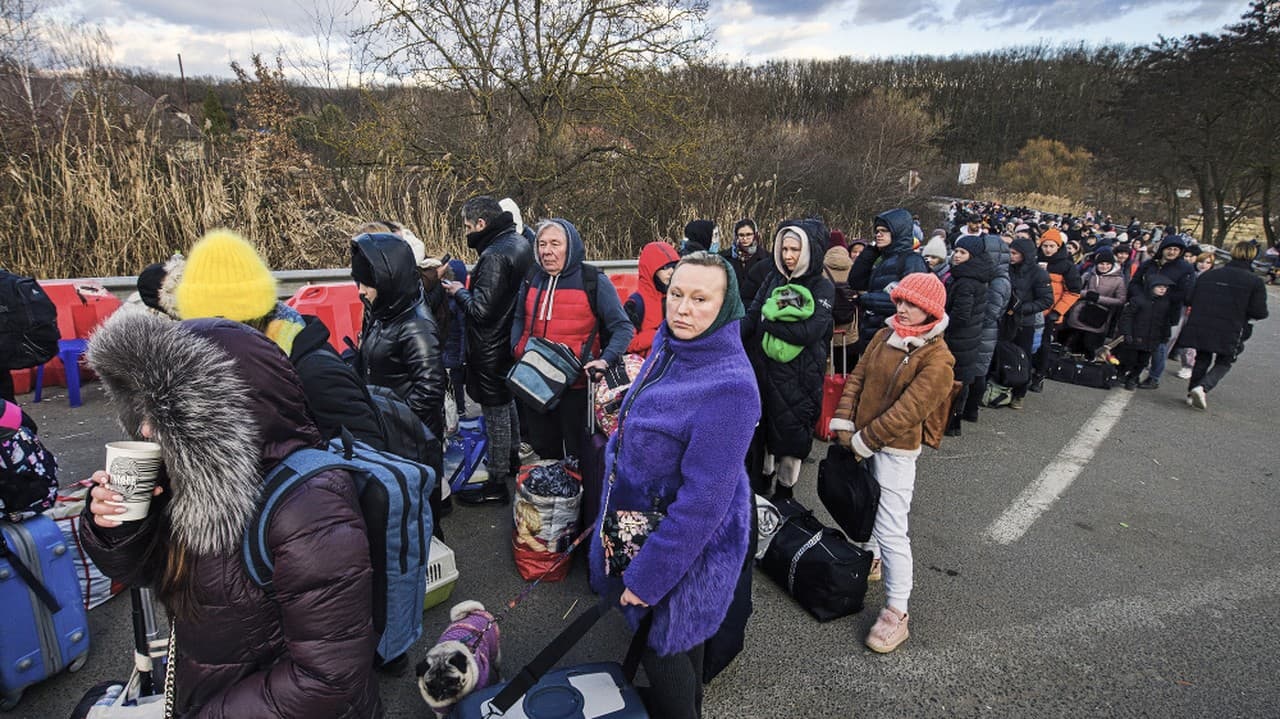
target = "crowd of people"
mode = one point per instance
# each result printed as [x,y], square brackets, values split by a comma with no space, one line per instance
[228,380]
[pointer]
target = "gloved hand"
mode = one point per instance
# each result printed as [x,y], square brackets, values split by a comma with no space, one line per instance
[1054,316]
[1091,296]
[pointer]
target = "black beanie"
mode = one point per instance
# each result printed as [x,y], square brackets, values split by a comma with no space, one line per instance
[1104,256]
[150,279]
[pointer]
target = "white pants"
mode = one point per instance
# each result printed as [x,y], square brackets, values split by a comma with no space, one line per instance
[896,474]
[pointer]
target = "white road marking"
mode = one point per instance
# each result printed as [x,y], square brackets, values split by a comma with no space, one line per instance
[1054,480]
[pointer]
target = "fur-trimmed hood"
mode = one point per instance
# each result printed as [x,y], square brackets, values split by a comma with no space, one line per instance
[225,407]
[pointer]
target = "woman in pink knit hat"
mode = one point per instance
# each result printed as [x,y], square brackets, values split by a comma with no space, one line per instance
[896,399]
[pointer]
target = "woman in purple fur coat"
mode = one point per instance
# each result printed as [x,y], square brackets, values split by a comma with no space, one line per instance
[679,449]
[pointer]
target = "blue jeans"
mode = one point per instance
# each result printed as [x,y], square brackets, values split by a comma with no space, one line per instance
[1158,359]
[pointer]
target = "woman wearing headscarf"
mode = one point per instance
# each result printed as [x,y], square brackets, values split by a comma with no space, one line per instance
[663,459]
[786,332]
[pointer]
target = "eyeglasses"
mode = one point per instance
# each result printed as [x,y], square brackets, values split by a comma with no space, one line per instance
[746,234]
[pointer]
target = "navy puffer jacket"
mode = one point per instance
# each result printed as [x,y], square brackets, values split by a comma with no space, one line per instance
[875,269]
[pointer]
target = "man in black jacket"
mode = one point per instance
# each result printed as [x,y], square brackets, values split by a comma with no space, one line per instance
[490,307]
[1223,303]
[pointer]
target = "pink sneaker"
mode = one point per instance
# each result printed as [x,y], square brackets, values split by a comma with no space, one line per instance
[874,574]
[889,631]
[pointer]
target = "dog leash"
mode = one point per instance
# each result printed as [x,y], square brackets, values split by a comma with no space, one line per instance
[527,589]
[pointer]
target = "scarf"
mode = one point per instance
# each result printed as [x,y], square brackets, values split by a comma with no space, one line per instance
[731,309]
[481,239]
[912,330]
[283,325]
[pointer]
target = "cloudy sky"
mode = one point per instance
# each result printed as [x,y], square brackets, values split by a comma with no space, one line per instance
[210,33]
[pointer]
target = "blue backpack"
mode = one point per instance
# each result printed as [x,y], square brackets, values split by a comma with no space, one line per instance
[394,493]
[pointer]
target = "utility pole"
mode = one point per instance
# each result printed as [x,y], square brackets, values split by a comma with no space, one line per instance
[182,74]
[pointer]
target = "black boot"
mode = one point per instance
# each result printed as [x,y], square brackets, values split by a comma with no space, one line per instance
[781,492]
[953,427]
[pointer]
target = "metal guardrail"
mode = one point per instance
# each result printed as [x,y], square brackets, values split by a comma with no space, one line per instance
[289,281]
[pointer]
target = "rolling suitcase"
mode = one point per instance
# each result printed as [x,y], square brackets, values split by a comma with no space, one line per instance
[832,388]
[46,627]
[142,695]
[600,690]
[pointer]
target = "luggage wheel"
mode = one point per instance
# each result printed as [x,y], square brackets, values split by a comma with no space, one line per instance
[78,663]
[9,702]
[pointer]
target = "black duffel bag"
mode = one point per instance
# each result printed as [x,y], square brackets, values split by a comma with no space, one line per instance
[816,565]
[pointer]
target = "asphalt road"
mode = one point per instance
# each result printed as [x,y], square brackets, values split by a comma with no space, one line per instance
[1150,587]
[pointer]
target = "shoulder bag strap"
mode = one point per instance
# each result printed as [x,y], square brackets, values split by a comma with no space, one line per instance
[522,682]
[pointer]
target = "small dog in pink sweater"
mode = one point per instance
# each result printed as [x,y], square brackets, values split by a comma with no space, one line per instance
[464,659]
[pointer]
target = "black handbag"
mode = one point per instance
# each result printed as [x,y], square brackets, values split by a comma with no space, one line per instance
[1093,314]
[849,491]
[816,565]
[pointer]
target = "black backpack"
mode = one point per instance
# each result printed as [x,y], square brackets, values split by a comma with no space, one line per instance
[28,323]
[405,433]
[845,308]
[1011,367]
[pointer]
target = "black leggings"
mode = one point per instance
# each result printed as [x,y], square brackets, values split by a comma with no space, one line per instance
[458,383]
[675,684]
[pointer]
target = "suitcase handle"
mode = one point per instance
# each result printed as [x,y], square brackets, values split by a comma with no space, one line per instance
[37,587]
[532,672]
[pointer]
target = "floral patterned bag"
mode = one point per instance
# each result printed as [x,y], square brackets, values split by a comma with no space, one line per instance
[623,532]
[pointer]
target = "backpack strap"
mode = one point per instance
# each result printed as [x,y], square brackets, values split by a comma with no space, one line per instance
[295,469]
[636,315]
[590,285]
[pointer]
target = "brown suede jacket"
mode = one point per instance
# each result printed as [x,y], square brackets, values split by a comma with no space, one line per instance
[898,395]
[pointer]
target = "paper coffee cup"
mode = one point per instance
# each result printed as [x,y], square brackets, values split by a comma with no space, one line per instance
[134,467]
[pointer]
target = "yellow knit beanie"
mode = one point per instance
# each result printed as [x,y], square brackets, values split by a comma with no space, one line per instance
[225,277]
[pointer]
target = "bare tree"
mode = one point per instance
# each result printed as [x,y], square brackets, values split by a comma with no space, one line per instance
[548,82]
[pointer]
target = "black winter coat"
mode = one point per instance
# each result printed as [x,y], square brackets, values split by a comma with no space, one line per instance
[305,650]
[1179,272]
[875,269]
[1032,291]
[742,267]
[335,395]
[1142,322]
[791,392]
[998,293]
[966,306]
[1223,301]
[399,343]
[490,307]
